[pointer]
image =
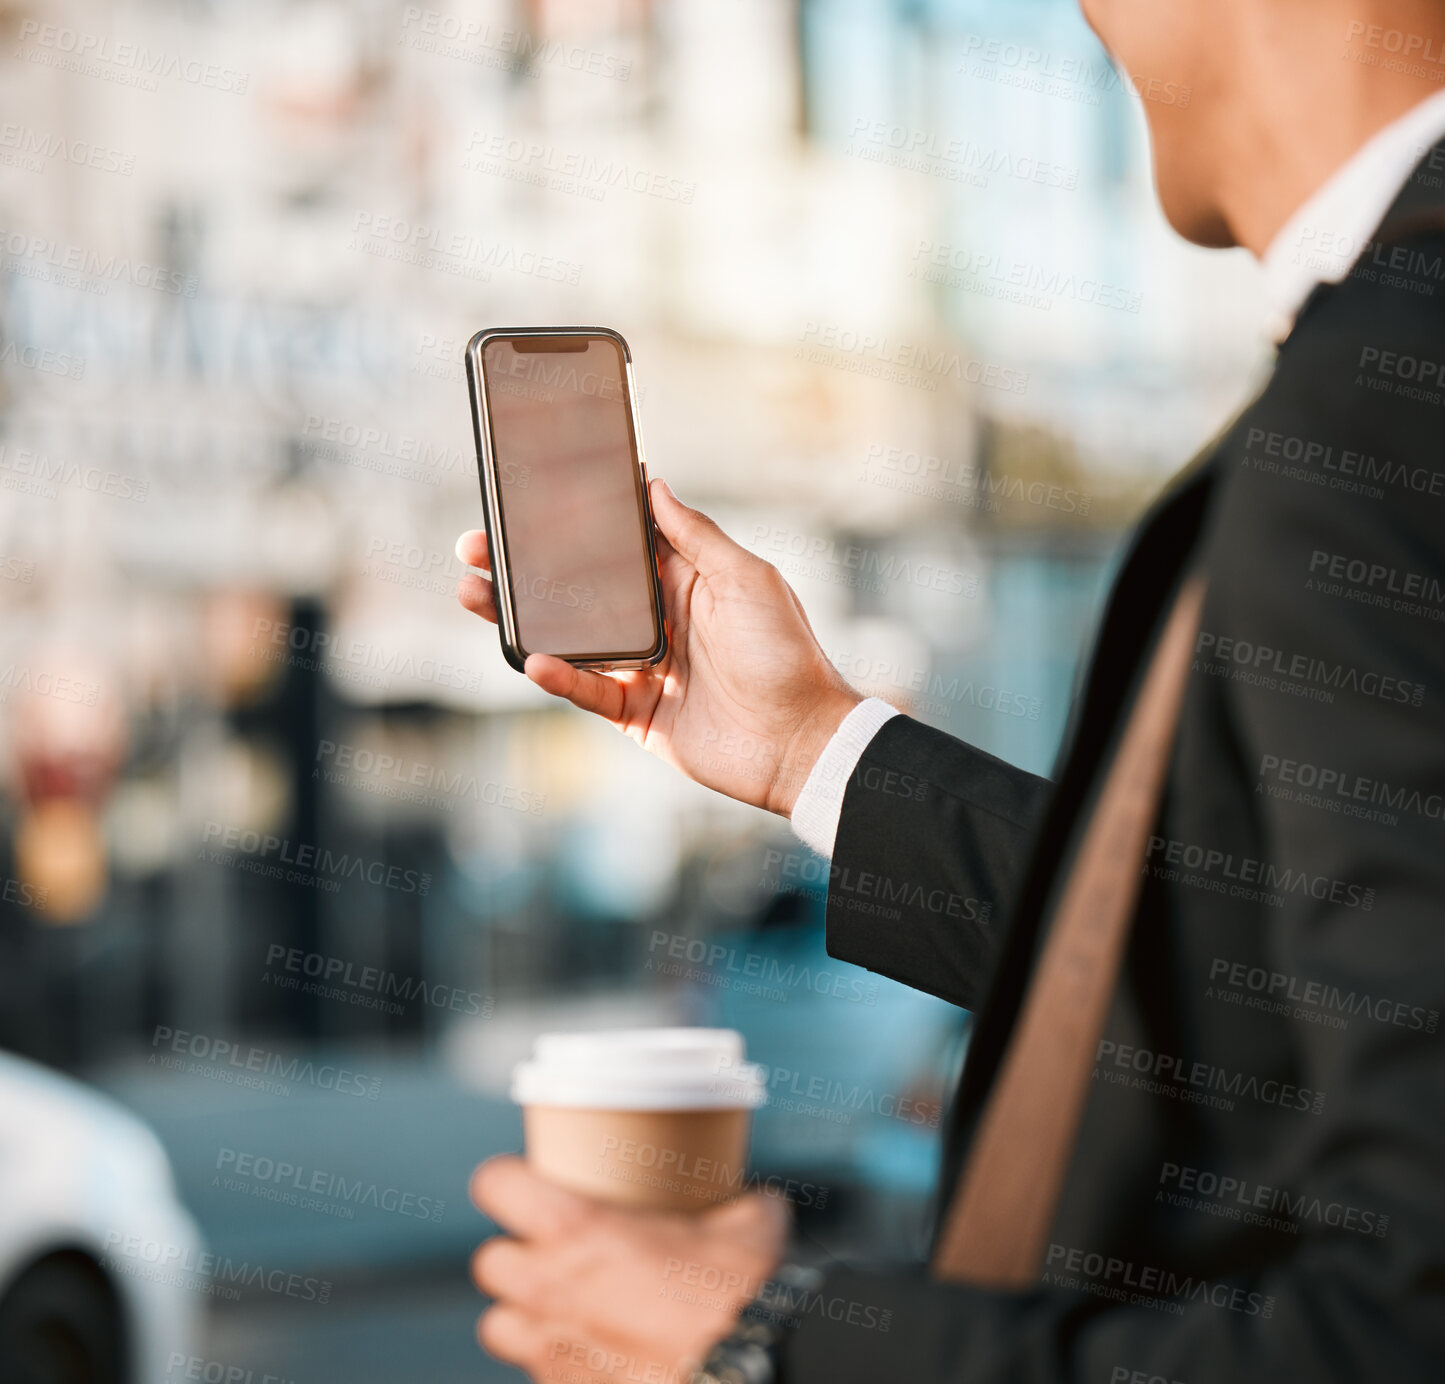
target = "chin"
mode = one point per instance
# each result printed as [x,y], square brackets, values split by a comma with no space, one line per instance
[1190,211]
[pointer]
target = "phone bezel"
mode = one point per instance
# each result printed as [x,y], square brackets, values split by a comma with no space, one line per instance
[512,649]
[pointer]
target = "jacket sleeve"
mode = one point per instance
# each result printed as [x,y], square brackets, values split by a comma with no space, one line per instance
[932,843]
[1347,789]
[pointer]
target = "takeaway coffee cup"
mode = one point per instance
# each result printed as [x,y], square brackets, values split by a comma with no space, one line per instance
[656,1118]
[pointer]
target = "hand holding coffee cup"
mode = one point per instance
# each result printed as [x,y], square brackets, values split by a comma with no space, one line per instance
[645,1118]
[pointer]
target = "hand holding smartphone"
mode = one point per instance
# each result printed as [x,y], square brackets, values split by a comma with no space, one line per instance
[564,487]
[742,698]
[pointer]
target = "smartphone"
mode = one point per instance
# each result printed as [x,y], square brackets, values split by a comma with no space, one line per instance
[564,488]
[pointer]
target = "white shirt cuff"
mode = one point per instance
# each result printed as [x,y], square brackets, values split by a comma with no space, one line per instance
[820,803]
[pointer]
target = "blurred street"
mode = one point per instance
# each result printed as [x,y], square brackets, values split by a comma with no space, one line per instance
[401,1304]
[417,1328]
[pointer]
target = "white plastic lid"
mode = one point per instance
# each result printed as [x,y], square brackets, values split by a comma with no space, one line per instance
[641,1069]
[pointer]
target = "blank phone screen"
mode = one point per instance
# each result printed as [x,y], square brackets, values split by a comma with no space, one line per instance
[571,507]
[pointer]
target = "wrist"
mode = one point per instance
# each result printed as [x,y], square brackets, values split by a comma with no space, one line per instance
[807,744]
[751,1352]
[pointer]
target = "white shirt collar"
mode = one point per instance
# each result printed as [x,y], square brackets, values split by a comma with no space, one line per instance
[1324,238]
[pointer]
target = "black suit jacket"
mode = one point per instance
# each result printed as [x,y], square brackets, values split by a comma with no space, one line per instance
[1258,1187]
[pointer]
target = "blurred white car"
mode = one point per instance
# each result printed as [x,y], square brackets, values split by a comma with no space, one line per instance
[82,1183]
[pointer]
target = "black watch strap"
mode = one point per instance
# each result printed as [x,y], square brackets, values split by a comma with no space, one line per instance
[752,1352]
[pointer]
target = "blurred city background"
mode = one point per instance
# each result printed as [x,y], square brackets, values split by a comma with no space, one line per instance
[294,865]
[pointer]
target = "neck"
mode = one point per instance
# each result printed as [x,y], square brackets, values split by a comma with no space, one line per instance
[1308,101]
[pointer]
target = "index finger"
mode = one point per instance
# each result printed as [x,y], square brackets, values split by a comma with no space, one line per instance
[528,1206]
[586,690]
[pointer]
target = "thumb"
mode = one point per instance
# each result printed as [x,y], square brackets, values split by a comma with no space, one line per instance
[696,537]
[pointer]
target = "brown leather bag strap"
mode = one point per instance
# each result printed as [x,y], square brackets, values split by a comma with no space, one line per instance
[997,1226]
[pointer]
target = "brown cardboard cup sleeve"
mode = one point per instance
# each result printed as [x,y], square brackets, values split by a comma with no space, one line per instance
[644,1118]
